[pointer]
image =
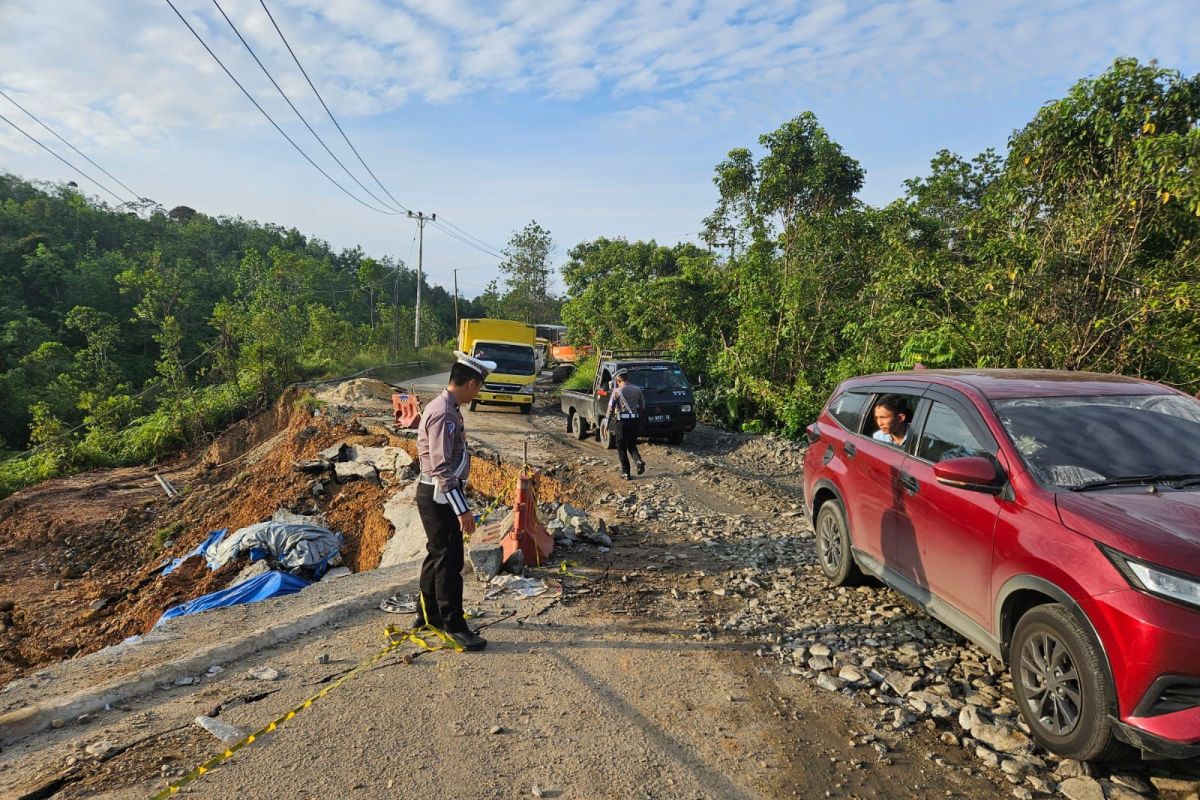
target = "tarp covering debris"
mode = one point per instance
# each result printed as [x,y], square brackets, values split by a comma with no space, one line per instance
[289,546]
[260,587]
[199,550]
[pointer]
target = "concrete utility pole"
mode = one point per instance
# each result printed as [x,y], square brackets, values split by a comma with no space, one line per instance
[456,323]
[421,219]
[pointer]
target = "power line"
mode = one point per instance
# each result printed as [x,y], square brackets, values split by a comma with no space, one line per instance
[470,236]
[468,242]
[326,107]
[63,160]
[292,105]
[463,236]
[274,124]
[54,133]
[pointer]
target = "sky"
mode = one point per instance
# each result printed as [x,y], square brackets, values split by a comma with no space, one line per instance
[594,118]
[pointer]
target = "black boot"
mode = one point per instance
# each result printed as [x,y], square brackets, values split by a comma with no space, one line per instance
[468,640]
[641,467]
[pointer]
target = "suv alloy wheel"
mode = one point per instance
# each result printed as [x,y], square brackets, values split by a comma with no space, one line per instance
[833,545]
[1060,685]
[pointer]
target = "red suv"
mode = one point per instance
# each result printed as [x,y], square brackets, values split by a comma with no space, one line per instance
[1053,518]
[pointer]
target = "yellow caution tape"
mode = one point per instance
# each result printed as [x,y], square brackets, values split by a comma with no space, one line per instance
[396,638]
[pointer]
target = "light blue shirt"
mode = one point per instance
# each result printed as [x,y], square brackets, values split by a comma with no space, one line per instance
[880,436]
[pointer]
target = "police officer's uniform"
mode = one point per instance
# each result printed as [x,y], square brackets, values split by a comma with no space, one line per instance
[441,497]
[626,406]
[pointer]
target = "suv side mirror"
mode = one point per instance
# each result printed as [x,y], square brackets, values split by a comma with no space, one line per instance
[973,473]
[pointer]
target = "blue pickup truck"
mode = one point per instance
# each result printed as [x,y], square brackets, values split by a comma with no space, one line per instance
[670,406]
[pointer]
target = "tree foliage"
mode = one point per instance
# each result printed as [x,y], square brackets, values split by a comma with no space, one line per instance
[523,292]
[1078,249]
[122,337]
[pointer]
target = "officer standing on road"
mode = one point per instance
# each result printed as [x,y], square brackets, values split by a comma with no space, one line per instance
[625,410]
[442,502]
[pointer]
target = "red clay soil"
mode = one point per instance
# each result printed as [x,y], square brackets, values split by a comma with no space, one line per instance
[98,535]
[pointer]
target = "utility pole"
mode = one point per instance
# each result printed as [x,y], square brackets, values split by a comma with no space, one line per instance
[456,322]
[421,219]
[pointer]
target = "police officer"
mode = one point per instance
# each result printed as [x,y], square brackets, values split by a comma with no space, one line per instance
[442,502]
[625,409]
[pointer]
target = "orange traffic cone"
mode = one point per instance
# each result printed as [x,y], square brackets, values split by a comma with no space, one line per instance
[528,534]
[407,410]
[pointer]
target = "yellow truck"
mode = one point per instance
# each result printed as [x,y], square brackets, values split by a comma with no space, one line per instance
[512,346]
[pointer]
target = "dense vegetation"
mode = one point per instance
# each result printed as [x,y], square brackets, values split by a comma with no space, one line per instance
[1079,249]
[124,336]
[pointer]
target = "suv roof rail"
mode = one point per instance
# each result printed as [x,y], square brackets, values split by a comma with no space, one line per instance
[633,354]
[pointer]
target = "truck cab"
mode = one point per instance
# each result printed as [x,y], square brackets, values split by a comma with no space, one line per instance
[670,404]
[511,345]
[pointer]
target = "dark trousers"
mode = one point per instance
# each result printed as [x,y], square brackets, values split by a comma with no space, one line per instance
[627,431]
[441,574]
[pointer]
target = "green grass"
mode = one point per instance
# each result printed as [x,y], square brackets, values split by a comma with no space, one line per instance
[583,377]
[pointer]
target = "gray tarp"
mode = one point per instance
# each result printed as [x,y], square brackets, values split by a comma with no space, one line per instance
[292,546]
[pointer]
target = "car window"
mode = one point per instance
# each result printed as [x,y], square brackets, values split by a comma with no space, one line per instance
[848,407]
[1072,441]
[909,403]
[946,435]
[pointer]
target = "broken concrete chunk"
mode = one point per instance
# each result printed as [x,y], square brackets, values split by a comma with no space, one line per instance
[264,673]
[312,465]
[335,453]
[485,551]
[227,733]
[567,511]
[408,541]
[347,471]
[100,749]
[392,459]
[336,572]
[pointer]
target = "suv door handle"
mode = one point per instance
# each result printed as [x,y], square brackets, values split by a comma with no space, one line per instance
[909,482]
[851,450]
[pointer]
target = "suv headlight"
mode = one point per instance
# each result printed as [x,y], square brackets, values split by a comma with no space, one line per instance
[685,409]
[1156,580]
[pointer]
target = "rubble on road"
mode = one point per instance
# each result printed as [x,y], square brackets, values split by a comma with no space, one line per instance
[226,732]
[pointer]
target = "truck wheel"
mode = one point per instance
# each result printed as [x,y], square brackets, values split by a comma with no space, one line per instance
[1059,680]
[676,437]
[561,373]
[474,405]
[526,408]
[577,425]
[606,438]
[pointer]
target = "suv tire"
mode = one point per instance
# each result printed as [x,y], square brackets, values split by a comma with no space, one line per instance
[1060,684]
[833,545]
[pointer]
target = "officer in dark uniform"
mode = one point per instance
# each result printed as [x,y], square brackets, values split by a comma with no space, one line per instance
[442,501]
[625,409]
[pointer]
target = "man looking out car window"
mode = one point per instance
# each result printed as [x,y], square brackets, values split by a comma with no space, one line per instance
[891,418]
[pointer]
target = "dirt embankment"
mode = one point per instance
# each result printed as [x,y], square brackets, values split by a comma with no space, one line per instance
[80,556]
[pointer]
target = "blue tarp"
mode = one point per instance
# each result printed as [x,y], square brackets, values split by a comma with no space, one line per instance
[199,550]
[260,587]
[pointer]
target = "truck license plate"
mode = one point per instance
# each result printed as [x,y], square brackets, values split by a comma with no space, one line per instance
[660,418]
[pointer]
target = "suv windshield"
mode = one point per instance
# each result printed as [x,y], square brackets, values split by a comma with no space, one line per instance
[511,359]
[658,376]
[1070,442]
